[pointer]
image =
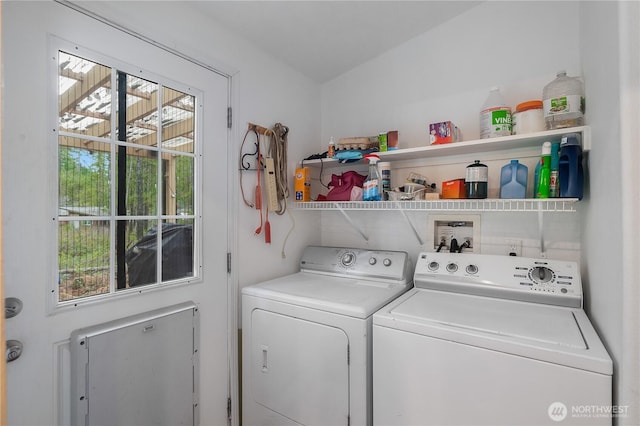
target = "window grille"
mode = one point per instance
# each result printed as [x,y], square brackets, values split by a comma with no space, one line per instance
[127,162]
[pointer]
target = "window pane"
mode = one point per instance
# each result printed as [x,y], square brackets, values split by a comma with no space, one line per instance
[83,258]
[178,181]
[142,111]
[177,121]
[177,250]
[142,247]
[84,176]
[84,102]
[141,185]
[141,256]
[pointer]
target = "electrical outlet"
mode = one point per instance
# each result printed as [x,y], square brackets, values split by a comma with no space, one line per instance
[513,247]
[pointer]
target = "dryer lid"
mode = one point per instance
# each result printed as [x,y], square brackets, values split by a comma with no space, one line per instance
[345,296]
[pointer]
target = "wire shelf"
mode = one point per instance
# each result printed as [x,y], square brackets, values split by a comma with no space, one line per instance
[561,205]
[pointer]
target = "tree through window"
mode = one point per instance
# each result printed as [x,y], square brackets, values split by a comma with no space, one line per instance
[126,169]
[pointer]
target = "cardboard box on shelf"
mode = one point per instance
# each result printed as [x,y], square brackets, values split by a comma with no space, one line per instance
[443,132]
[453,189]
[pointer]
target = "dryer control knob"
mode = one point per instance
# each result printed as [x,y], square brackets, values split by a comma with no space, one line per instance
[472,269]
[348,259]
[433,265]
[386,262]
[372,261]
[452,267]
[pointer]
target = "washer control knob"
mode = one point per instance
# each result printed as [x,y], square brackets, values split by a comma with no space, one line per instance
[452,267]
[472,269]
[541,274]
[386,262]
[433,265]
[372,261]
[348,259]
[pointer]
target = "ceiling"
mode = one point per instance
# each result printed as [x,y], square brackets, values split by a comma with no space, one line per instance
[323,39]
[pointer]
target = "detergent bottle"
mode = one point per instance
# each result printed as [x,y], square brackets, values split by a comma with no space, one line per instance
[544,178]
[570,167]
[372,188]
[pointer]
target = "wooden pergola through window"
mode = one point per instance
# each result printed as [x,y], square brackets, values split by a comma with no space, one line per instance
[158,121]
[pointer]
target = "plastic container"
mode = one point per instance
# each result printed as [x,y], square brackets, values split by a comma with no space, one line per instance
[563,102]
[302,184]
[385,174]
[513,180]
[372,187]
[554,183]
[331,151]
[495,116]
[382,142]
[408,192]
[571,174]
[476,181]
[528,118]
[544,175]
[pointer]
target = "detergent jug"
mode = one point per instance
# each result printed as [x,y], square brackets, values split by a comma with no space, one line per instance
[570,167]
[513,180]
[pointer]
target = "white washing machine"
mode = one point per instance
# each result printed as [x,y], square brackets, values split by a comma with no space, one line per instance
[489,340]
[306,337]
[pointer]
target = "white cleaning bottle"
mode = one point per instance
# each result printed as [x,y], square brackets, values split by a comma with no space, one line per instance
[495,116]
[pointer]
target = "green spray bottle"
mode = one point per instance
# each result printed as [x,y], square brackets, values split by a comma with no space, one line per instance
[544,178]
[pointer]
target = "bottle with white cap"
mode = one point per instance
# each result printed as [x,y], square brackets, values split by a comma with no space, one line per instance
[331,151]
[495,116]
[544,177]
[563,102]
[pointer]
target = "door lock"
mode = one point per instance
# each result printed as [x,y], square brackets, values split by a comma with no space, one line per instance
[14,350]
[12,307]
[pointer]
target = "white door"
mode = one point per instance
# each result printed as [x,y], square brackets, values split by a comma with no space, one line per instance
[38,381]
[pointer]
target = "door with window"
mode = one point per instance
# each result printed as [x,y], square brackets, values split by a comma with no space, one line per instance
[114,198]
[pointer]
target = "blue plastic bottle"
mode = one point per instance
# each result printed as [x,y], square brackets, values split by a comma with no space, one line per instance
[513,180]
[571,174]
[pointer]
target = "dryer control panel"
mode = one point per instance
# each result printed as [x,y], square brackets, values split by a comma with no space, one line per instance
[554,282]
[381,265]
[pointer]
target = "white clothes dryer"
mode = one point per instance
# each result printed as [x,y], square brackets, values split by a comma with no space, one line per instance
[490,340]
[306,337]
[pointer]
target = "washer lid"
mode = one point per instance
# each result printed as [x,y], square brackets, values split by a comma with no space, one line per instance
[551,333]
[346,296]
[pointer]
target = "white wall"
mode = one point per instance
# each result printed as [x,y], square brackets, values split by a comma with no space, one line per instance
[602,232]
[445,74]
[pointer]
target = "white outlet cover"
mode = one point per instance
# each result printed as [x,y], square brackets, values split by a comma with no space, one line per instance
[434,219]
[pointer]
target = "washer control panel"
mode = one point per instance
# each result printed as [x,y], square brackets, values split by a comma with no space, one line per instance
[370,264]
[554,282]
